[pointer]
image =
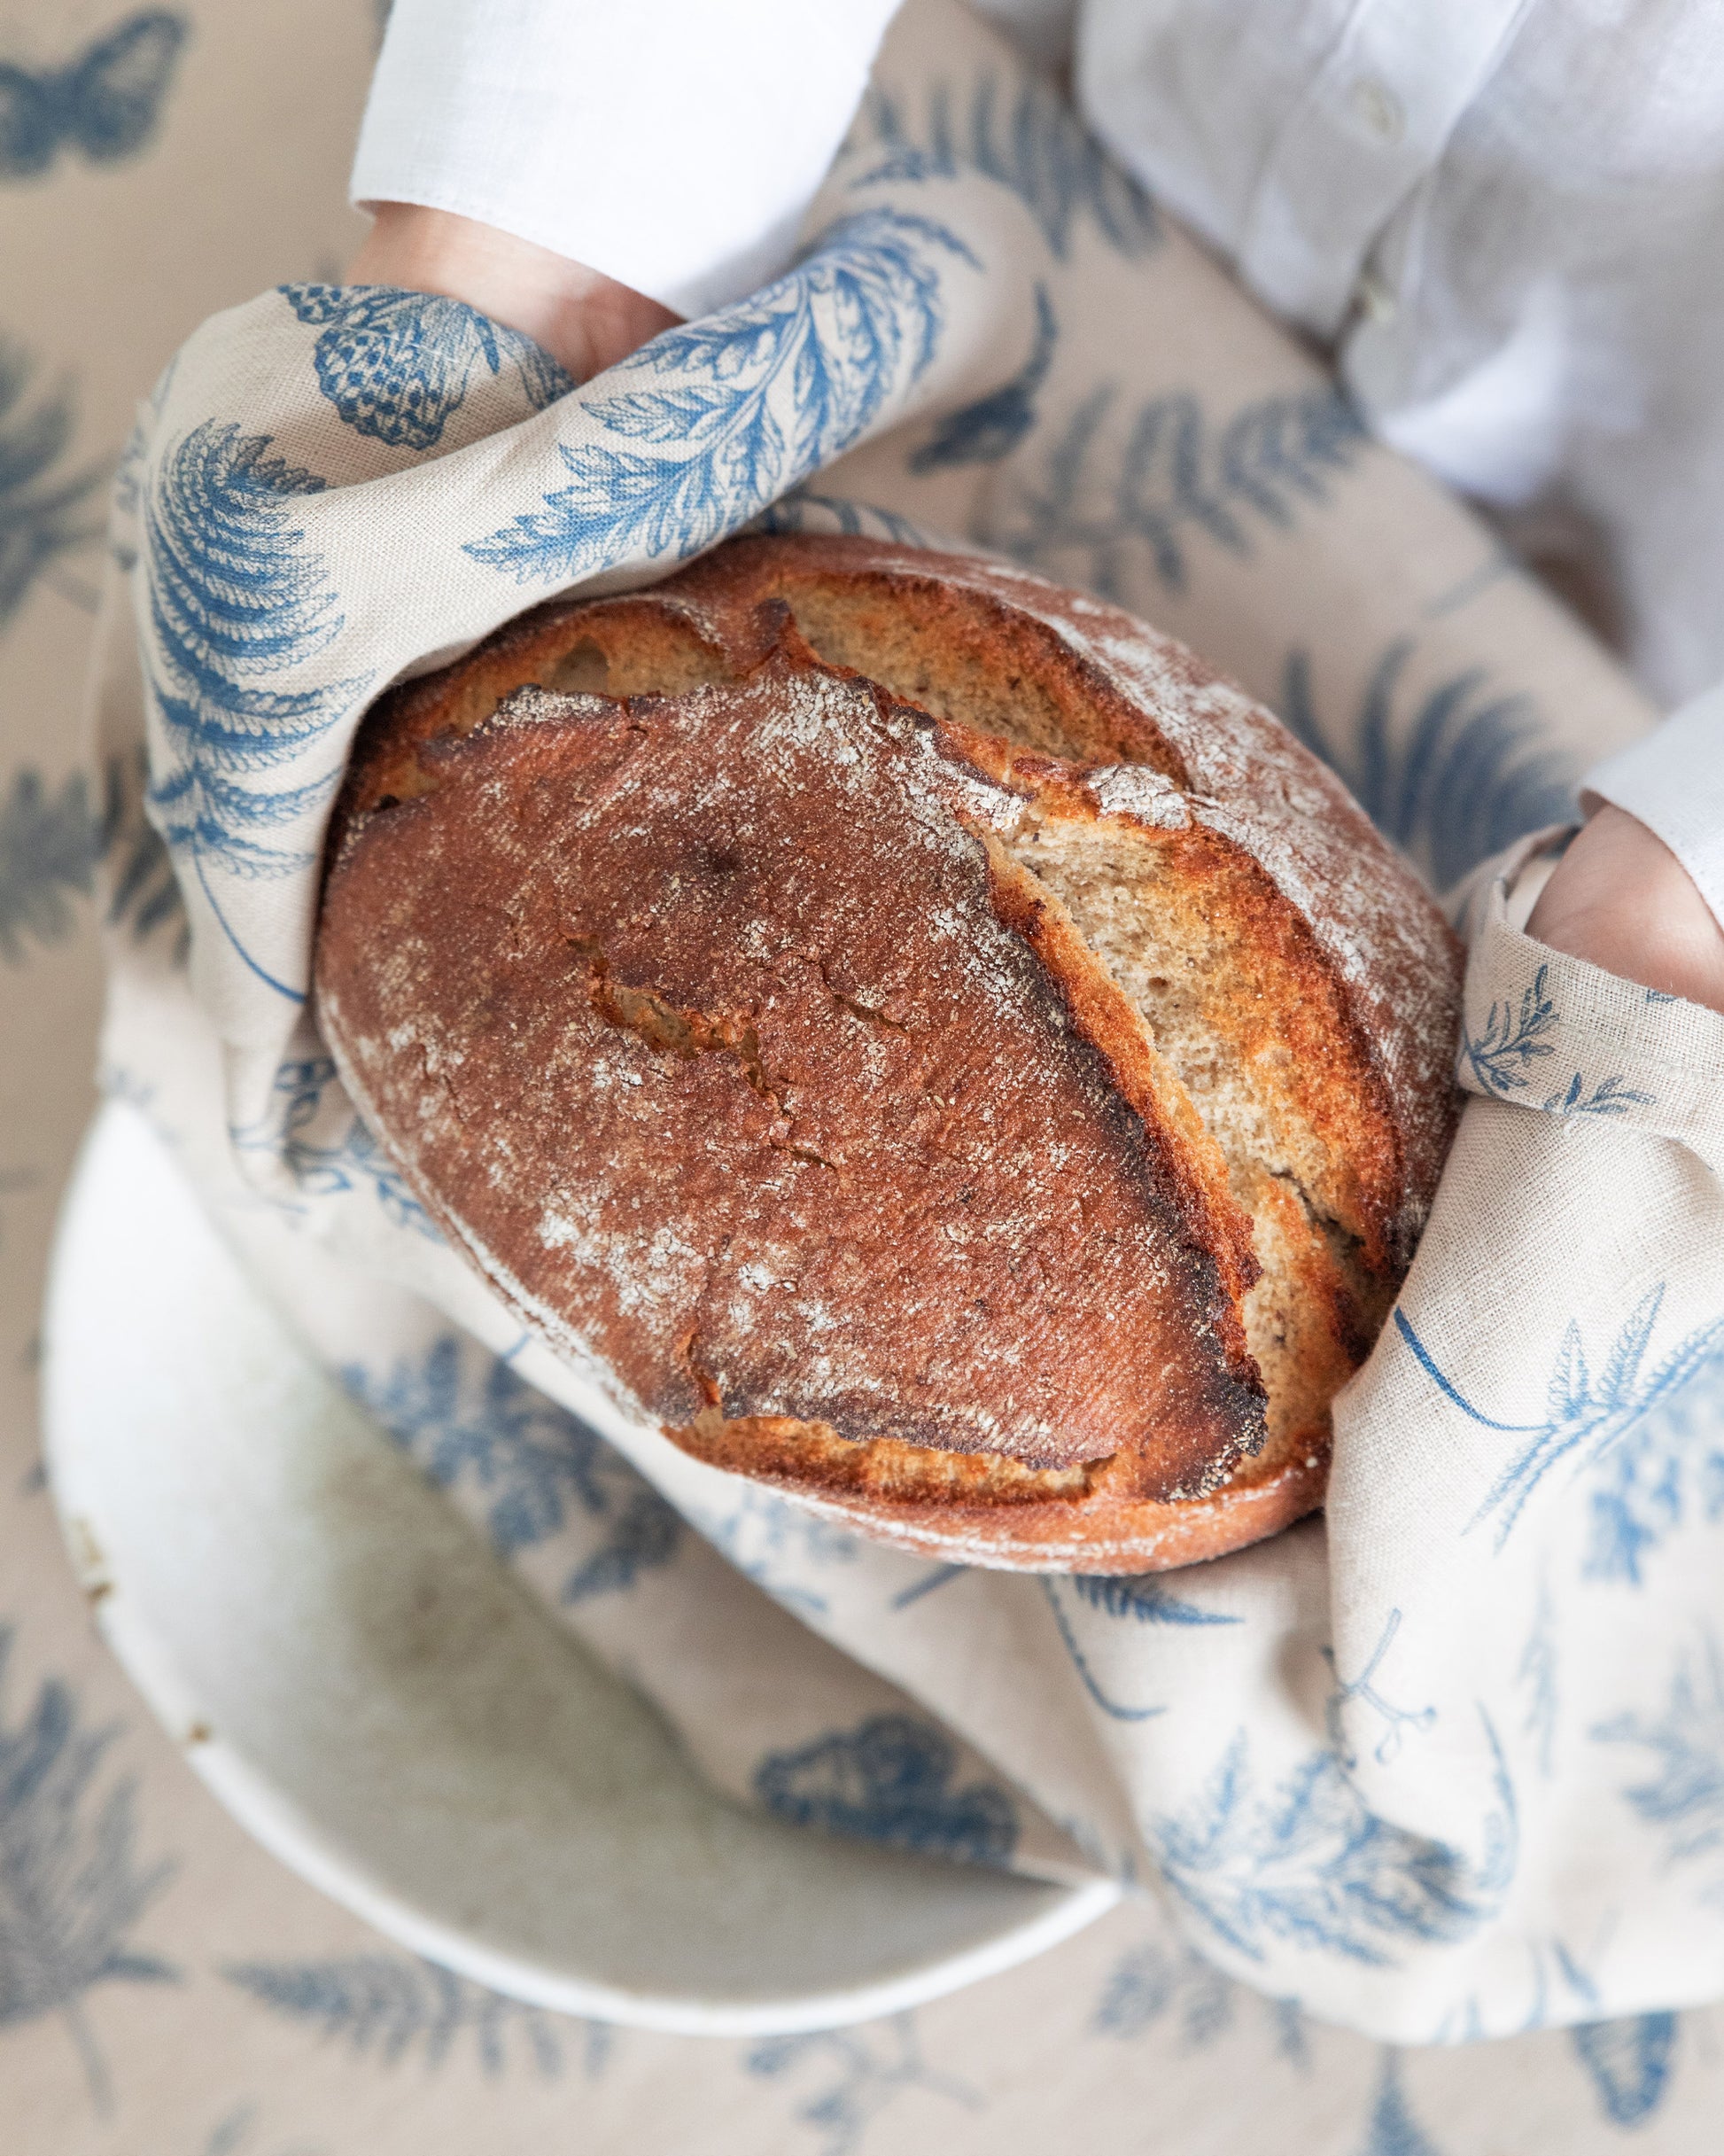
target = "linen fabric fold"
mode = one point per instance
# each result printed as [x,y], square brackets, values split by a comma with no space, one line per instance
[1433,1767]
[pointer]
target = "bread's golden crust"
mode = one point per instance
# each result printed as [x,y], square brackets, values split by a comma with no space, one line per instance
[801,1125]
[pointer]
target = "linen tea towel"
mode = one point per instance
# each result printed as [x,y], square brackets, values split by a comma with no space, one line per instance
[1434,1767]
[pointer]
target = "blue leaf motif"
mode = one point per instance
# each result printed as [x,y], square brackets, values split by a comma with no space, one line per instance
[867,2070]
[395,2007]
[1030,140]
[323,1165]
[1115,496]
[71,1887]
[1392,2130]
[235,597]
[1156,1979]
[1467,772]
[106,103]
[1670,1461]
[1629,2062]
[1309,1863]
[397,365]
[535,1461]
[991,428]
[45,510]
[1685,1794]
[1592,1418]
[890,1779]
[1146,1599]
[760,396]
[48,851]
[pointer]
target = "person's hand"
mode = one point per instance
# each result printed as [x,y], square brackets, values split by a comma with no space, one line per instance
[1619,897]
[586,322]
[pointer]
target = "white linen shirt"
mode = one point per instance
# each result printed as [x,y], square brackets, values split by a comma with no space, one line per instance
[1504,214]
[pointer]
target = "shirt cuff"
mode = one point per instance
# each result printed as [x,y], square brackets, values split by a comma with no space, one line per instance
[672,144]
[1673,782]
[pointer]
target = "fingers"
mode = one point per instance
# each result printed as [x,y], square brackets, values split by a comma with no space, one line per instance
[1621,899]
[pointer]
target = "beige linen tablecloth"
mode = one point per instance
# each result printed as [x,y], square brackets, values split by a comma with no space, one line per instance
[166,1990]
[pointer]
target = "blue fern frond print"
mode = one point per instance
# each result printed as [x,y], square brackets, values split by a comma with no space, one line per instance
[1684,1797]
[104,104]
[71,1887]
[396,365]
[1456,779]
[1629,2063]
[1145,1599]
[1157,1982]
[48,849]
[1392,2130]
[324,1159]
[890,1779]
[1585,1414]
[52,839]
[1116,493]
[992,427]
[535,1464]
[1309,1863]
[236,596]
[1667,1469]
[397,2009]
[1031,142]
[866,2071]
[766,392]
[45,511]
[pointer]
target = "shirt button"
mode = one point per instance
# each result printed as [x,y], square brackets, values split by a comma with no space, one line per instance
[1378,110]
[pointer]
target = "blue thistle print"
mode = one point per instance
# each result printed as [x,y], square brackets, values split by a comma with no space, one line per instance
[1467,772]
[890,1780]
[830,339]
[1685,1796]
[1031,142]
[1629,2063]
[396,2008]
[397,365]
[991,428]
[1115,499]
[534,1459]
[1309,1863]
[235,596]
[1501,1056]
[45,513]
[1392,2130]
[355,1161]
[1591,1417]
[71,1887]
[868,2071]
[104,104]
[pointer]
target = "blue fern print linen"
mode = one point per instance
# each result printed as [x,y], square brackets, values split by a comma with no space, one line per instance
[1354,1759]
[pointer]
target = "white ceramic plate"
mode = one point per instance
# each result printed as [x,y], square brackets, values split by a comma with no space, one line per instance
[366,1690]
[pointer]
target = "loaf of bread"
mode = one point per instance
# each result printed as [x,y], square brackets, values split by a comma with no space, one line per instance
[910,1033]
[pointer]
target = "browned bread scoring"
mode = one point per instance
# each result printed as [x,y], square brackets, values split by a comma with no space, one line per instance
[924,1041]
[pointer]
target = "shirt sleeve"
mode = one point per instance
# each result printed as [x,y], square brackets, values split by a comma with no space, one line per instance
[1673,782]
[672,144]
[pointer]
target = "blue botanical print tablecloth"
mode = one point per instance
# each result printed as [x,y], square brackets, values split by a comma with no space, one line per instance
[164,1986]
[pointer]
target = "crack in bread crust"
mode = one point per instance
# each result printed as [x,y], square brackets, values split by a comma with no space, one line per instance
[837,776]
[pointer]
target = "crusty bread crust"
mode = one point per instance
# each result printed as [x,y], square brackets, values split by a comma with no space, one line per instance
[936,1048]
